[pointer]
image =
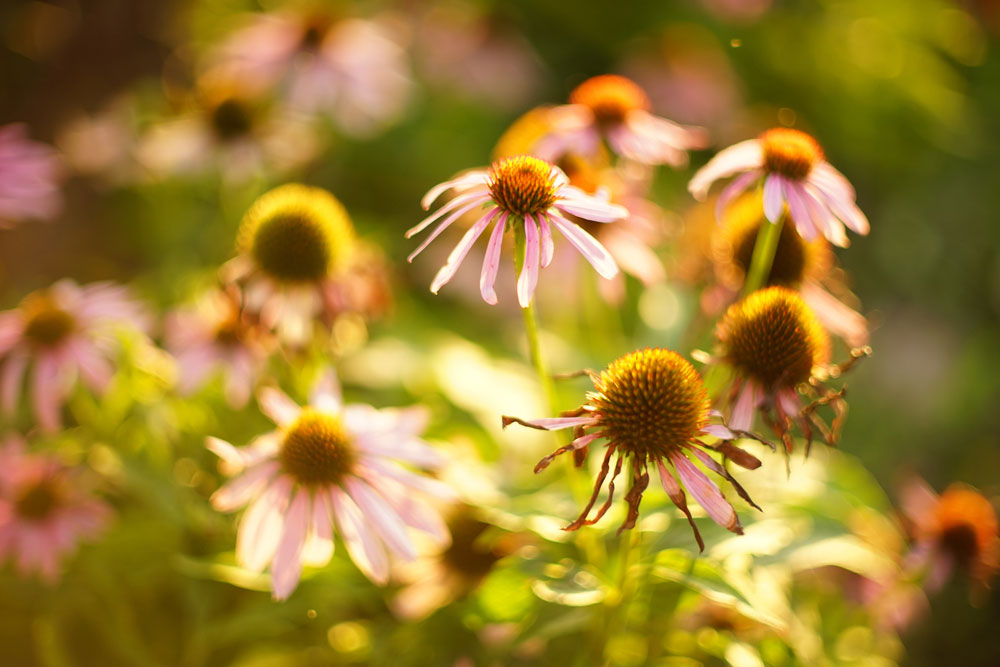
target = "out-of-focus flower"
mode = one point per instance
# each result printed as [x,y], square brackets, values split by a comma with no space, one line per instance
[616,109]
[230,127]
[738,11]
[65,331]
[794,173]
[957,529]
[448,574]
[102,144]
[326,462]
[517,190]
[298,261]
[29,178]
[777,348]
[216,335]
[44,511]
[353,69]
[652,408]
[798,264]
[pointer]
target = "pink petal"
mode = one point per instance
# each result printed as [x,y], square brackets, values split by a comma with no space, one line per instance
[774,201]
[46,391]
[239,380]
[277,406]
[447,222]
[239,491]
[262,525]
[457,255]
[94,369]
[365,550]
[706,493]
[528,280]
[548,249]
[557,423]
[447,208]
[326,395]
[837,317]
[738,157]
[746,402]
[789,402]
[589,247]
[382,518]
[824,175]
[468,179]
[735,188]
[918,501]
[416,514]
[318,548]
[844,208]
[719,431]
[286,568]
[10,381]
[824,219]
[491,261]
[575,201]
[421,483]
[795,196]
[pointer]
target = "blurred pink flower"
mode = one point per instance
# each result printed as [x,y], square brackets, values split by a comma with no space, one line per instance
[65,331]
[794,173]
[328,463]
[29,178]
[44,513]
[217,336]
[652,408]
[353,69]
[616,109]
[517,190]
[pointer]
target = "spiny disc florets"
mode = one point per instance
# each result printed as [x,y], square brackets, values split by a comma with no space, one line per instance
[297,233]
[317,449]
[522,185]
[789,152]
[773,337]
[46,323]
[650,402]
[610,97]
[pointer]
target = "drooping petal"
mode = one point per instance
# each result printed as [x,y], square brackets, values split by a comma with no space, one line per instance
[576,202]
[844,208]
[837,317]
[457,255]
[382,518]
[799,211]
[286,568]
[491,261]
[47,392]
[548,249]
[678,498]
[734,189]
[528,280]
[747,401]
[447,222]
[238,491]
[365,550]
[94,369]
[738,157]
[318,548]
[277,406]
[11,374]
[706,493]
[774,200]
[421,483]
[824,219]
[447,208]
[262,525]
[589,247]
[552,423]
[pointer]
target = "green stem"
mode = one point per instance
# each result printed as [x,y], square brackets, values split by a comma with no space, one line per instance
[763,255]
[531,326]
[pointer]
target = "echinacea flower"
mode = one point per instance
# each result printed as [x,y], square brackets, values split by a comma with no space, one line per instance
[777,349]
[354,69]
[806,266]
[617,110]
[652,408]
[524,191]
[216,335]
[44,511]
[957,529]
[29,178]
[794,173]
[328,462]
[294,243]
[65,331]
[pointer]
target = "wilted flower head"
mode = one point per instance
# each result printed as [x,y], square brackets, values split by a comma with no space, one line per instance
[44,511]
[517,190]
[777,348]
[794,173]
[652,408]
[295,242]
[615,109]
[329,462]
[353,69]
[956,529]
[63,331]
[29,178]
[216,335]
[806,266]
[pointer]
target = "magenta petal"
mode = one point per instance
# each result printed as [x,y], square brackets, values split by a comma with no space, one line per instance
[774,201]
[528,279]
[286,568]
[706,493]
[491,261]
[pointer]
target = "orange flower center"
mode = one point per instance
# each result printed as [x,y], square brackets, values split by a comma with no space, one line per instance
[46,323]
[317,450]
[651,402]
[789,152]
[522,185]
[610,97]
[967,524]
[772,337]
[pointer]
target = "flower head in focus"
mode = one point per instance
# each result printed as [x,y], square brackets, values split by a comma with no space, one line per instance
[216,335]
[955,530]
[44,511]
[29,178]
[64,331]
[524,191]
[330,463]
[295,246]
[777,350]
[795,174]
[652,408]
[615,109]
[353,69]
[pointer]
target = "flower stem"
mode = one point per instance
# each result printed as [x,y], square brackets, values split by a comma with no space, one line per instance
[763,255]
[531,325]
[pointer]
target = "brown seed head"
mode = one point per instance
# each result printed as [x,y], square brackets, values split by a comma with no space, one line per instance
[46,324]
[317,449]
[522,185]
[789,152]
